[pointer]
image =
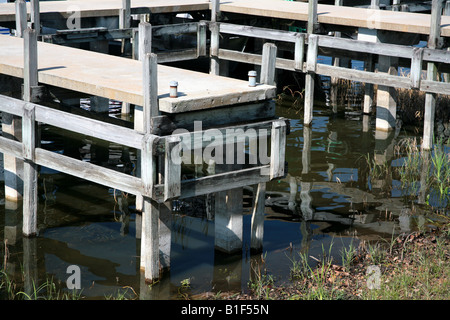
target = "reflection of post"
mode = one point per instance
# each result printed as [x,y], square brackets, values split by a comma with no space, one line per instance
[228,220]
[230,278]
[256,243]
[30,265]
[305,187]
[426,163]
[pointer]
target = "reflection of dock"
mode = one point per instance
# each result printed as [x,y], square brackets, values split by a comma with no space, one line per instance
[162,120]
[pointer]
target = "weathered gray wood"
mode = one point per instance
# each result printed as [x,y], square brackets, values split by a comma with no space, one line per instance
[30,70]
[214,49]
[257,223]
[174,56]
[215,10]
[145,39]
[218,182]
[201,38]
[311,59]
[89,171]
[299,52]
[148,163]
[368,87]
[30,174]
[435,40]
[172,174]
[171,29]
[21,17]
[311,64]
[28,132]
[313,22]
[277,149]
[364,76]
[124,23]
[416,68]
[228,221]
[268,64]
[150,88]
[150,240]
[257,32]
[35,16]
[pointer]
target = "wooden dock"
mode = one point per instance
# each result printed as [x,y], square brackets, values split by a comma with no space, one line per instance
[121,79]
[104,8]
[163,123]
[399,21]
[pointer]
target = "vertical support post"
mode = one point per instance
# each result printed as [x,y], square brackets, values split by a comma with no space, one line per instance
[150,213]
[268,66]
[201,39]
[434,42]
[30,175]
[312,17]
[124,23]
[144,47]
[172,168]
[334,80]
[21,17]
[299,51]
[257,224]
[214,27]
[386,97]
[368,87]
[228,220]
[311,61]
[35,16]
[150,107]
[277,149]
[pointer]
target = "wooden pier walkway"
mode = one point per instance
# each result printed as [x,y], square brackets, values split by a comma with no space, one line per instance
[293,10]
[104,8]
[121,79]
[338,15]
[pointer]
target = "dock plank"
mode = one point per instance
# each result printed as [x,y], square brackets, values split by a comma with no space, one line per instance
[121,78]
[339,15]
[106,7]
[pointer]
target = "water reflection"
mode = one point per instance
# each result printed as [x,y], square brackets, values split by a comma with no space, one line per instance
[330,197]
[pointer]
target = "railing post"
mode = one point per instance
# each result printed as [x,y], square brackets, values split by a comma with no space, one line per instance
[268,66]
[30,175]
[313,24]
[434,42]
[21,17]
[35,22]
[311,61]
[214,27]
[124,23]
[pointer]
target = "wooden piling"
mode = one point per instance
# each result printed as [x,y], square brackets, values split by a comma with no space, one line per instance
[214,28]
[268,69]
[35,22]
[313,24]
[124,23]
[311,62]
[21,17]
[30,174]
[434,42]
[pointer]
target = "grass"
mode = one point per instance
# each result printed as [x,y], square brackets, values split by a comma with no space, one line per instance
[412,266]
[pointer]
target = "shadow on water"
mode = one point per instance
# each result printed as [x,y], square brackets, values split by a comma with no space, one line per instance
[329,199]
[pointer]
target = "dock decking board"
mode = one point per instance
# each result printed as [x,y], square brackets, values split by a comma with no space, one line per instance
[328,14]
[338,15]
[106,7]
[121,78]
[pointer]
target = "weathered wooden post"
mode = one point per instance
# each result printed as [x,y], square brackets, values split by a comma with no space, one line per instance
[311,62]
[21,17]
[30,174]
[268,68]
[434,42]
[124,23]
[35,16]
[313,22]
[214,27]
